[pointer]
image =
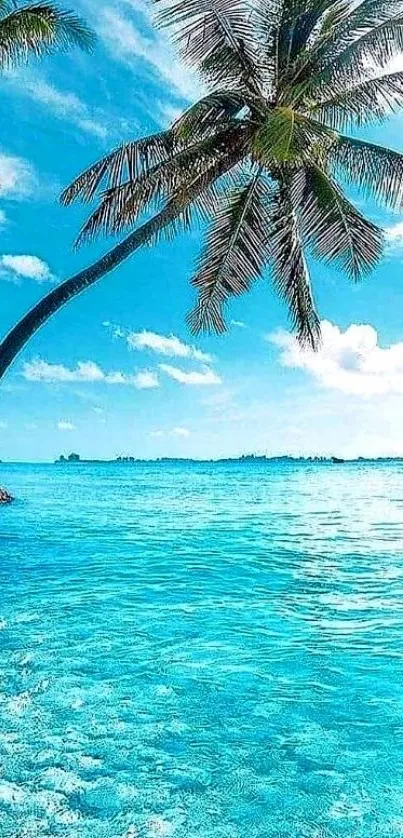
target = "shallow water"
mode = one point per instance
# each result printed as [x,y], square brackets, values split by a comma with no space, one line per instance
[202,651]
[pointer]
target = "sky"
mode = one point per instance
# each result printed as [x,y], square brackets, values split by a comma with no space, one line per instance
[116,371]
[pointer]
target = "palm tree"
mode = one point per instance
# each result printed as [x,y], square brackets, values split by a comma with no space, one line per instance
[38,29]
[262,157]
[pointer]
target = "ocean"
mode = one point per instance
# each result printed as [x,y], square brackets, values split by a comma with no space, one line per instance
[201,651]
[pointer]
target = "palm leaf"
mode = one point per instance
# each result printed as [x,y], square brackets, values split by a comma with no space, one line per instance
[290,271]
[341,52]
[361,19]
[235,254]
[376,170]
[40,28]
[309,60]
[298,20]
[206,115]
[122,205]
[216,36]
[333,226]
[365,102]
[199,196]
[130,161]
[372,51]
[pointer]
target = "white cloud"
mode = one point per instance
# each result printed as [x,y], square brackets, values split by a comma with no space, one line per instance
[204,377]
[27,267]
[146,380]
[167,113]
[63,104]
[116,378]
[184,432]
[239,323]
[86,371]
[129,45]
[178,432]
[3,219]
[351,361]
[163,344]
[64,425]
[17,177]
[42,371]
[394,236]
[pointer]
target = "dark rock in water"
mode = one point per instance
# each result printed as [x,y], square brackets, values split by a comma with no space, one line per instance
[5,497]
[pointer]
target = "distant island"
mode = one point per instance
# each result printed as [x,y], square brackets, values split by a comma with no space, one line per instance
[244,458]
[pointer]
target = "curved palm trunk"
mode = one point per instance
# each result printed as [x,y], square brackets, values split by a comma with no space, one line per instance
[48,305]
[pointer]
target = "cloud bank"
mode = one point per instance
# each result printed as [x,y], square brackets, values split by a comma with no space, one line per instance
[86,371]
[131,43]
[351,361]
[63,104]
[17,177]
[194,377]
[169,345]
[25,267]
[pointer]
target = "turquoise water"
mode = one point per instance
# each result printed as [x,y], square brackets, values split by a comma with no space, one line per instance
[206,651]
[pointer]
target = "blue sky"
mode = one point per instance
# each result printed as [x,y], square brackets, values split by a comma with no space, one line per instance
[116,371]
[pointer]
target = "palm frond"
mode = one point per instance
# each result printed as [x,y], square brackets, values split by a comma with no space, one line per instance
[199,196]
[334,17]
[362,58]
[361,19]
[333,227]
[376,170]
[309,60]
[298,21]
[40,28]
[344,35]
[130,161]
[235,254]
[216,36]
[121,205]
[368,101]
[206,115]
[290,271]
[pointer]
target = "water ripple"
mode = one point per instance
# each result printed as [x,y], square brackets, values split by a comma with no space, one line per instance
[201,651]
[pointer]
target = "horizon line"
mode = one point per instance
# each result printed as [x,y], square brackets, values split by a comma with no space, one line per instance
[130,460]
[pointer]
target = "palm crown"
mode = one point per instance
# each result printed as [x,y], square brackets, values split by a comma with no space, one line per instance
[263,154]
[38,28]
